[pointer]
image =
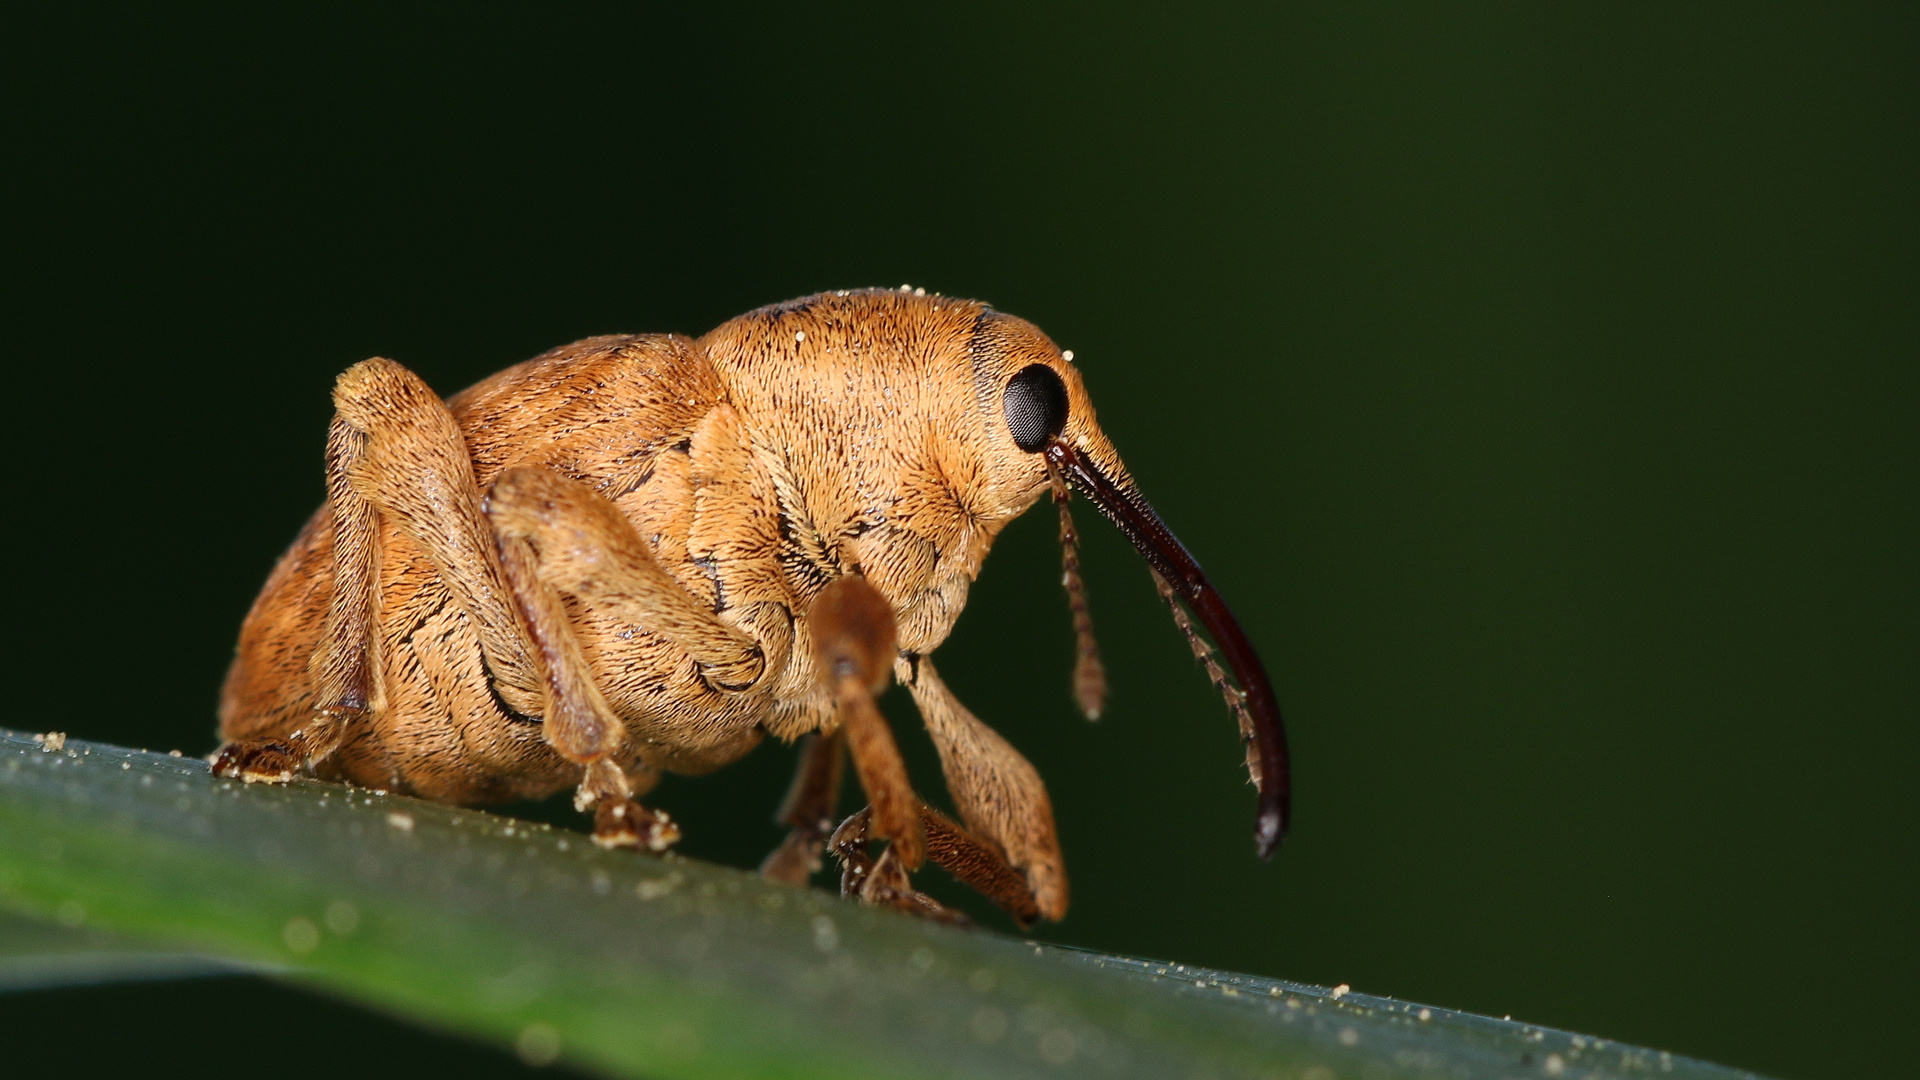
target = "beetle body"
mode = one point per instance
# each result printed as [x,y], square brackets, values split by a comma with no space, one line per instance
[602,563]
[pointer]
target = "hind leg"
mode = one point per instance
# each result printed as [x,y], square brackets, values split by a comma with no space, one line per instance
[395,456]
[342,668]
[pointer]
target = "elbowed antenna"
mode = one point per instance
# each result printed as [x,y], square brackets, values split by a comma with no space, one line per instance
[1089,674]
[1267,756]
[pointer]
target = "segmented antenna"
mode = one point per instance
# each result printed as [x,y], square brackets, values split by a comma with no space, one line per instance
[1235,697]
[1089,674]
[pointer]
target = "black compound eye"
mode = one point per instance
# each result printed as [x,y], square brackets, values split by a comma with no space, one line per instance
[1036,407]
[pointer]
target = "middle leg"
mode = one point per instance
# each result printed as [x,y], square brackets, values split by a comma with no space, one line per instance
[808,810]
[578,722]
[557,535]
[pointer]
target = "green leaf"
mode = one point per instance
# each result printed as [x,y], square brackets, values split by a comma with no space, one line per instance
[642,966]
[36,955]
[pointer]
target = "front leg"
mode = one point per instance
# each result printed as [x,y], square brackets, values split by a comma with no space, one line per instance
[971,860]
[881,881]
[853,638]
[853,635]
[998,792]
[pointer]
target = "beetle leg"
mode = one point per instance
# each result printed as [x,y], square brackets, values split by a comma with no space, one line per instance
[414,466]
[881,881]
[970,859]
[557,535]
[577,721]
[587,548]
[618,818]
[977,864]
[808,809]
[997,791]
[853,639]
[853,634]
[341,670]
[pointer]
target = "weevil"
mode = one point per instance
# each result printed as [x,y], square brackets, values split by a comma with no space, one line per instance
[644,553]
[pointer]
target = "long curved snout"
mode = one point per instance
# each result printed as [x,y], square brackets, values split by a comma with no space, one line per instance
[1171,562]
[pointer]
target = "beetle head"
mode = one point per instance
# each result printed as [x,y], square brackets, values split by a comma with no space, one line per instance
[869,388]
[1042,431]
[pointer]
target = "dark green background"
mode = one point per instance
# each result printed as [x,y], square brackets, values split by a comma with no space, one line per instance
[1537,382]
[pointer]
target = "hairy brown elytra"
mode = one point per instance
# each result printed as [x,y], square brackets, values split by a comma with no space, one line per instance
[643,553]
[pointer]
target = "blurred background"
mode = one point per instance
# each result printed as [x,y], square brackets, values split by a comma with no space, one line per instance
[1537,383]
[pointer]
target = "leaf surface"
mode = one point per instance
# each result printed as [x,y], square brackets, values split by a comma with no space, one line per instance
[136,864]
